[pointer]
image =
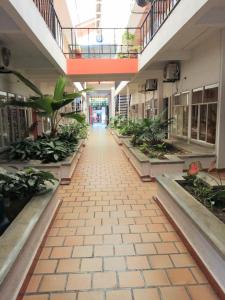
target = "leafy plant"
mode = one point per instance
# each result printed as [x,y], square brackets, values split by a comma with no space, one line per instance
[210,196]
[23,183]
[49,106]
[127,128]
[151,131]
[17,188]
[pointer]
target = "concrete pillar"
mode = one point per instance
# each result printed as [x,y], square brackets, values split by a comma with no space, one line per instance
[112,104]
[160,96]
[220,138]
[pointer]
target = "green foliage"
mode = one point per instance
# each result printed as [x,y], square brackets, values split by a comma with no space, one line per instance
[128,128]
[118,122]
[49,106]
[210,196]
[127,36]
[47,148]
[151,131]
[23,184]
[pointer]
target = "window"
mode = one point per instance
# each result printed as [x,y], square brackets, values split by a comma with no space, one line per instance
[14,122]
[180,114]
[204,114]
[151,107]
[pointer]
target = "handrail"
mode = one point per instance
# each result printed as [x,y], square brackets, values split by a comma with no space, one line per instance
[47,10]
[159,11]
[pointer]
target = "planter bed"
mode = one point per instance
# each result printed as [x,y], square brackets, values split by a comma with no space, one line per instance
[204,158]
[203,232]
[118,137]
[21,240]
[62,170]
[149,168]
[191,154]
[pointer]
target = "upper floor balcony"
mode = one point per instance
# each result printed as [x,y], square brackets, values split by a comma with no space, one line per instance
[99,42]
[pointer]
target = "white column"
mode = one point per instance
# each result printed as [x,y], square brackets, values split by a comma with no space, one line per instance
[220,138]
[112,103]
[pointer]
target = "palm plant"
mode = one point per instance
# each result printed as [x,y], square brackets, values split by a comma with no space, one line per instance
[48,106]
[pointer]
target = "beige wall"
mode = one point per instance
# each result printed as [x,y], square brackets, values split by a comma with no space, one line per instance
[202,69]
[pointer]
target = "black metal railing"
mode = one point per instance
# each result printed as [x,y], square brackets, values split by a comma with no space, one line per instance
[157,15]
[48,13]
[102,42]
[106,42]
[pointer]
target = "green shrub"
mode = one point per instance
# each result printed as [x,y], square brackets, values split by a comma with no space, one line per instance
[47,148]
[23,184]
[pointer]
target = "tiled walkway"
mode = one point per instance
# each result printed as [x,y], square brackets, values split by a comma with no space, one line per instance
[110,241]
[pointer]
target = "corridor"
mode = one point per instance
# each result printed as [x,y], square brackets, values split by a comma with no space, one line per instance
[110,240]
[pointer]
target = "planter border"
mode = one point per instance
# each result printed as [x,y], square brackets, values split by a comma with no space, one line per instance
[22,239]
[149,168]
[201,231]
[62,170]
[118,137]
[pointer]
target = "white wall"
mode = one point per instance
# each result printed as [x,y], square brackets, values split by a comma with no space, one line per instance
[184,11]
[203,68]
[30,21]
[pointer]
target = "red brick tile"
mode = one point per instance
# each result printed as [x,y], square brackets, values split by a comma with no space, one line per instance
[61,252]
[34,283]
[45,266]
[36,297]
[131,279]
[150,237]
[156,278]
[93,240]
[63,296]
[121,250]
[182,260]
[202,292]
[91,295]
[78,282]
[173,293]
[74,240]
[104,280]
[68,265]
[147,294]
[52,283]
[160,262]
[114,263]
[112,239]
[180,276]
[137,263]
[104,250]
[145,248]
[91,264]
[166,248]
[82,251]
[131,238]
[119,294]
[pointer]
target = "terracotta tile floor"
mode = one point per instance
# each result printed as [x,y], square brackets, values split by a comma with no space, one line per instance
[110,240]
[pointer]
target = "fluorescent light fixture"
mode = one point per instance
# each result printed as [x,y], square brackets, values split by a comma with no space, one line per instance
[79,86]
[121,86]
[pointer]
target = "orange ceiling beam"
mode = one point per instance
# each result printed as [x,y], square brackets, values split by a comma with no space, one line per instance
[89,66]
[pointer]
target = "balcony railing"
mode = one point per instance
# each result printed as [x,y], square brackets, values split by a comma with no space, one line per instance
[48,13]
[102,42]
[106,42]
[157,15]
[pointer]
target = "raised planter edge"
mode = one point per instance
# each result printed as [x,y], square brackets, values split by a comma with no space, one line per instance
[208,248]
[19,247]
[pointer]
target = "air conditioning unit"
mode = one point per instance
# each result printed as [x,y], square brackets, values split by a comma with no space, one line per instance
[171,72]
[151,85]
[143,3]
[5,56]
